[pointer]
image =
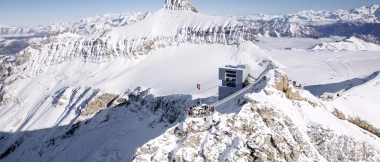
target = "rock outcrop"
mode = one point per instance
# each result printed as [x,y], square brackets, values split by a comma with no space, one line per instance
[283,85]
[362,123]
[232,138]
[179,5]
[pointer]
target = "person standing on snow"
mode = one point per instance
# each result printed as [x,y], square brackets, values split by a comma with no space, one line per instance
[191,111]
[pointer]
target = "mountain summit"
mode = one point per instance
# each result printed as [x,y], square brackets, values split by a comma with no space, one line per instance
[179,5]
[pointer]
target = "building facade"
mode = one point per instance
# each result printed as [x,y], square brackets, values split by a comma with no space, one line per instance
[233,78]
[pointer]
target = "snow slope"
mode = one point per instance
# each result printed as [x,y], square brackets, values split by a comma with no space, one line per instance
[163,28]
[267,126]
[351,44]
[64,89]
[361,101]
[291,44]
[91,25]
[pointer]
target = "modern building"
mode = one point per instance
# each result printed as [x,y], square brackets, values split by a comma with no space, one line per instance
[233,78]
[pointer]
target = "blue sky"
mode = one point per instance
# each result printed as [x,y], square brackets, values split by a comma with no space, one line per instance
[34,12]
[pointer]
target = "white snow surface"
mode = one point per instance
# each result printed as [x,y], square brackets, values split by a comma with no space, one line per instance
[351,44]
[292,44]
[166,22]
[362,101]
[96,24]
[172,70]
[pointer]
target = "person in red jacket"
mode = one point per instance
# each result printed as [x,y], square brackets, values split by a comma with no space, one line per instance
[212,109]
[191,111]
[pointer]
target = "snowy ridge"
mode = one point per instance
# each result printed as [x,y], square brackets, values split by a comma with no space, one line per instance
[351,44]
[161,29]
[369,14]
[280,29]
[267,127]
[5,30]
[96,24]
[8,31]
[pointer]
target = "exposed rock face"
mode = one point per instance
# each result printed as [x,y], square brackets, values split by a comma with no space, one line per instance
[12,46]
[136,113]
[339,114]
[235,138]
[179,5]
[261,131]
[337,147]
[280,29]
[170,30]
[358,122]
[99,103]
[369,38]
[8,66]
[283,85]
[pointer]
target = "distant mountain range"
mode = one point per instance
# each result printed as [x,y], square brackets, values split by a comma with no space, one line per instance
[11,31]
[369,14]
[364,21]
[307,23]
[315,24]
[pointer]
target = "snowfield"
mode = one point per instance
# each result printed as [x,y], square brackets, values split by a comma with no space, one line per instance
[122,93]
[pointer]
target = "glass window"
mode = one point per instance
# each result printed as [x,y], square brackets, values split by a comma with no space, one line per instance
[230,71]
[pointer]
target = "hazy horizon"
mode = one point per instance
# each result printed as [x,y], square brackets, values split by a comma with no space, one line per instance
[43,12]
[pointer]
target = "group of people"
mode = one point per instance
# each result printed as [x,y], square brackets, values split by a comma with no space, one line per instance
[200,111]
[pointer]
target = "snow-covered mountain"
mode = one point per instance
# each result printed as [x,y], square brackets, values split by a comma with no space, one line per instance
[363,14]
[315,24]
[350,44]
[280,29]
[13,46]
[121,93]
[16,39]
[58,92]
[166,27]
[9,31]
[273,123]
[96,24]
